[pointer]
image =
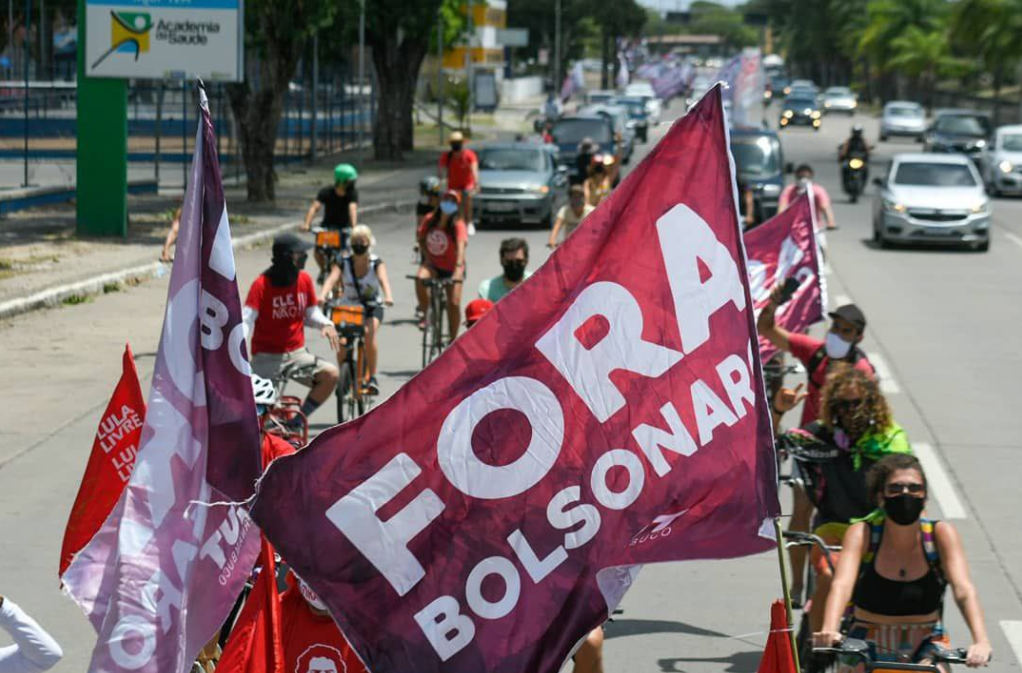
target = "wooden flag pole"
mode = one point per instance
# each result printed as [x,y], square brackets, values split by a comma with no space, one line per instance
[782,563]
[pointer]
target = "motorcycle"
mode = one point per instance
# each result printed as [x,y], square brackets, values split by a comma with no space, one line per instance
[853,176]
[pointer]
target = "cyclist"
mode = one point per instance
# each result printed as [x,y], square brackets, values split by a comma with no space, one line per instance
[898,592]
[461,168]
[514,257]
[429,197]
[341,207]
[33,650]
[280,302]
[603,173]
[361,278]
[583,160]
[856,420]
[475,310]
[804,178]
[443,238]
[570,215]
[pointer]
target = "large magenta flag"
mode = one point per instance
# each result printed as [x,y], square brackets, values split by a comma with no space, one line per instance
[162,573]
[785,247]
[608,413]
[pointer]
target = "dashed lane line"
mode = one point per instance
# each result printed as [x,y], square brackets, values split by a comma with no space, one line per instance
[887,383]
[1013,630]
[841,300]
[941,486]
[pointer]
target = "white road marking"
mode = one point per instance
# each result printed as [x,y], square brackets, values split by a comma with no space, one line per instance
[1013,632]
[841,300]
[887,383]
[941,487]
[1014,239]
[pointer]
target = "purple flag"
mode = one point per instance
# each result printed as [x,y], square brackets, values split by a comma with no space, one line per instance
[162,573]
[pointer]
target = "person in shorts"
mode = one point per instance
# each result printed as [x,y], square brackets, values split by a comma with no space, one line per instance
[460,166]
[443,238]
[280,302]
[340,207]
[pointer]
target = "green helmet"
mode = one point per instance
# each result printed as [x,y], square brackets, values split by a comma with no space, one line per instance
[344,173]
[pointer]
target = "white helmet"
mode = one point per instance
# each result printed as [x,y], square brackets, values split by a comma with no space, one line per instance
[263,391]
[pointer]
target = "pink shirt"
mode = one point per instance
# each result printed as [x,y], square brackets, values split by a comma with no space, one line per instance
[820,195]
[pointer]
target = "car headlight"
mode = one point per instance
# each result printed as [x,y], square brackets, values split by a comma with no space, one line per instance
[981,208]
[540,189]
[771,190]
[788,114]
[807,111]
[1005,166]
[855,163]
[893,206]
[787,90]
[815,114]
[827,104]
[980,143]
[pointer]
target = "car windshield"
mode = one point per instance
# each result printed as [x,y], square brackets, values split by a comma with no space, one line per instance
[1012,143]
[934,175]
[799,103]
[574,131]
[963,124]
[838,91]
[905,111]
[756,157]
[636,106]
[599,97]
[512,160]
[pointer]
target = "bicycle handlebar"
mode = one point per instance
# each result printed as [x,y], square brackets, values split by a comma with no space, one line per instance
[439,282]
[860,648]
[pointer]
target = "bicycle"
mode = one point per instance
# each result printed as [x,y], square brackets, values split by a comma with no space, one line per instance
[860,649]
[330,246]
[353,396]
[436,313]
[804,633]
[280,418]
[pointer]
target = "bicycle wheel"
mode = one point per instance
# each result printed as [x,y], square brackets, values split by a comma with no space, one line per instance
[361,366]
[439,310]
[345,392]
[427,336]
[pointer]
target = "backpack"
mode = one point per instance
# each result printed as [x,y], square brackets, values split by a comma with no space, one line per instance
[928,528]
[821,354]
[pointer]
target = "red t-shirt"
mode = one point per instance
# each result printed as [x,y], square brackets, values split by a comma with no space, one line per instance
[280,325]
[459,168]
[313,642]
[442,243]
[803,347]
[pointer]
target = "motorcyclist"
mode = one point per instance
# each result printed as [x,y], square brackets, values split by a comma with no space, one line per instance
[855,146]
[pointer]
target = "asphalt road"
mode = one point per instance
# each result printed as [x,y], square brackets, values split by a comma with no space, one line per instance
[943,323]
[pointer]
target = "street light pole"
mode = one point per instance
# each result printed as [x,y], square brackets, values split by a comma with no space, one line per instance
[28,31]
[468,64]
[557,47]
[361,75]
[440,75]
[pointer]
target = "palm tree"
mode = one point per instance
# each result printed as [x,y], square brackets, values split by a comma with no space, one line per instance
[990,31]
[887,20]
[922,54]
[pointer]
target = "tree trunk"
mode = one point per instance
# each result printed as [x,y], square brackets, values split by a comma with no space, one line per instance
[998,83]
[258,114]
[397,67]
[605,47]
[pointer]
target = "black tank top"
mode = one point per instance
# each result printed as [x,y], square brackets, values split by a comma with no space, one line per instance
[885,596]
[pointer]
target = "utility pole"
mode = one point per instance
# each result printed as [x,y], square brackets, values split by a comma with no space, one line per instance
[361,75]
[313,133]
[440,75]
[468,63]
[28,31]
[557,48]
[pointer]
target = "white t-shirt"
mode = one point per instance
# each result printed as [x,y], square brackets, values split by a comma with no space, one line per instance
[570,219]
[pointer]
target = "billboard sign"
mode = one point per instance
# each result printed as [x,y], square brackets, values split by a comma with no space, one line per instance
[161,39]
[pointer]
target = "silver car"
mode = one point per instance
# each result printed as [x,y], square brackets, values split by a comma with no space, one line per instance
[903,118]
[839,99]
[1002,161]
[936,198]
[519,183]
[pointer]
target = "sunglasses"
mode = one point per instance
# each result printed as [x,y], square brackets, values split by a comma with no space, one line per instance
[845,405]
[912,488]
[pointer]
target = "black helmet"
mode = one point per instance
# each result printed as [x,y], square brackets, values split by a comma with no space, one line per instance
[429,186]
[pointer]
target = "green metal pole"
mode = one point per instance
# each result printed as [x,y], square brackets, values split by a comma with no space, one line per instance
[102,152]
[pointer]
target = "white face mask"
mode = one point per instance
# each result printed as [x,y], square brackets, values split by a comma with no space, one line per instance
[837,348]
[310,596]
[803,184]
[448,207]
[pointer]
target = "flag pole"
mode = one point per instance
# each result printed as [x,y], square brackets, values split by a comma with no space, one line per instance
[782,563]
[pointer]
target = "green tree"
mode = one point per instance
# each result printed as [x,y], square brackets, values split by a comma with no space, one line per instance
[538,17]
[276,34]
[990,31]
[616,18]
[922,54]
[887,20]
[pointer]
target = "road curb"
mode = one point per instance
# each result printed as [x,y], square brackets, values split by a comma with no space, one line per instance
[91,286]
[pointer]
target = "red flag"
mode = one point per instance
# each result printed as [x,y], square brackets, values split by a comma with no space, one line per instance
[785,247]
[256,644]
[110,464]
[777,656]
[610,412]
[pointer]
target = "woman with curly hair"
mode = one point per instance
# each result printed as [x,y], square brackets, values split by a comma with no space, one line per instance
[857,428]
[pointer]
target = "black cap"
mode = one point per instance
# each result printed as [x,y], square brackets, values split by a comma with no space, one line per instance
[289,243]
[850,313]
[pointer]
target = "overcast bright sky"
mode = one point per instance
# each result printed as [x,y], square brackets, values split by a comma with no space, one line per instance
[677,5]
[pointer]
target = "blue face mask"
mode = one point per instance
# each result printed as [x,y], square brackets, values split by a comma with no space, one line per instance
[448,207]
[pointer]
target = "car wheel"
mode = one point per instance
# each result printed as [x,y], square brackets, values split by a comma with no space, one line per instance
[983,247]
[883,137]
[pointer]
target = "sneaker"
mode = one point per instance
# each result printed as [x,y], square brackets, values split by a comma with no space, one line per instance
[372,387]
[471,228]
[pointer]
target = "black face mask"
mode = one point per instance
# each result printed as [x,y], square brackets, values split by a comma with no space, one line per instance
[359,248]
[455,147]
[904,509]
[302,259]
[514,271]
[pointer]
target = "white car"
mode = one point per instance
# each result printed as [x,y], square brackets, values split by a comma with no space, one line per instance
[903,118]
[1002,161]
[644,90]
[935,198]
[839,99]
